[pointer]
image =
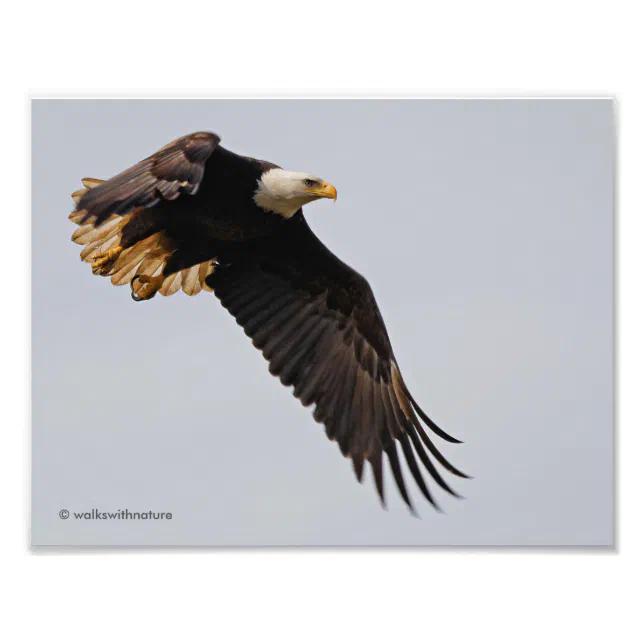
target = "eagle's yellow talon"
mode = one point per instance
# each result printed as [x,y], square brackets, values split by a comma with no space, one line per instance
[148,286]
[101,259]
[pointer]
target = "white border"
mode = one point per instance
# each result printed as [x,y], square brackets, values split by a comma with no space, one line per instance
[311,49]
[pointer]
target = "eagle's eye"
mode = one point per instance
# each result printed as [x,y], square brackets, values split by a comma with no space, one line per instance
[309,183]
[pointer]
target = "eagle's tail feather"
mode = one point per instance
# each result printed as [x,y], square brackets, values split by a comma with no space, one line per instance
[140,264]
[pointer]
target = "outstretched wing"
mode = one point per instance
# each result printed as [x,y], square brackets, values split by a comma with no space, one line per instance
[317,323]
[176,168]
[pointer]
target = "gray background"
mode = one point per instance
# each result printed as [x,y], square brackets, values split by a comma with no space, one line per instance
[485,229]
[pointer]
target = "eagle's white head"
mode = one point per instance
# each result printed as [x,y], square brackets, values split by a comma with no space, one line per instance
[284,192]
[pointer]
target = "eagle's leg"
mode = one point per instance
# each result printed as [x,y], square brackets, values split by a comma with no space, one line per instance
[145,287]
[102,263]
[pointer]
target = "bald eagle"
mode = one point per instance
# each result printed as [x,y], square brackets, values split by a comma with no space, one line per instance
[195,216]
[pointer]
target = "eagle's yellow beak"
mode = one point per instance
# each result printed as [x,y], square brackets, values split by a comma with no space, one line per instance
[325,191]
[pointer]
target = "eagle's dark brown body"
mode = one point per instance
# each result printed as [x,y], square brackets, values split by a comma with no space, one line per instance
[186,218]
